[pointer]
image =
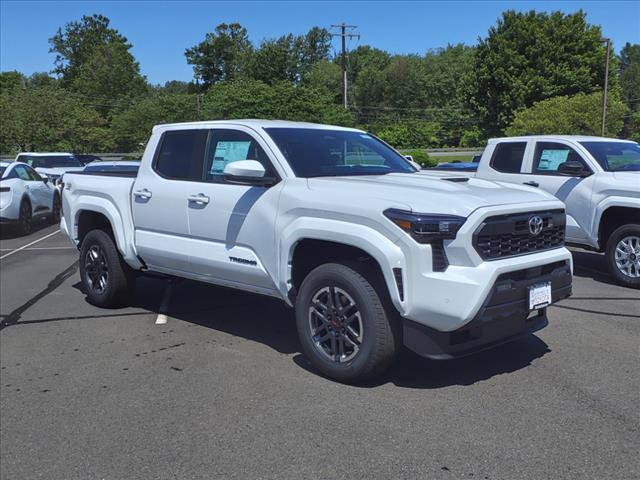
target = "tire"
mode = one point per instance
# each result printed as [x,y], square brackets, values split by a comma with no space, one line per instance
[370,342]
[25,220]
[623,255]
[55,209]
[107,280]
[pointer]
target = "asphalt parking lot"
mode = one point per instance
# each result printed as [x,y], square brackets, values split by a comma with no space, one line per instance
[221,391]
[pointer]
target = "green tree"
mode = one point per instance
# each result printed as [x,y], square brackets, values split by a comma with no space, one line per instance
[11,81]
[131,128]
[576,115]
[47,118]
[290,57]
[528,57]
[282,100]
[366,74]
[629,61]
[325,75]
[221,56]
[109,78]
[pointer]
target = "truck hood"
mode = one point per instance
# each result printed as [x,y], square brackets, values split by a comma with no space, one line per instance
[623,184]
[57,171]
[425,194]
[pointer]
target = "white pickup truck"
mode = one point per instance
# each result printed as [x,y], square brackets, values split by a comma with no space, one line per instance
[335,223]
[597,178]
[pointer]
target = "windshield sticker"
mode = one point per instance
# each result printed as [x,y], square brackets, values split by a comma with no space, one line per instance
[551,159]
[227,152]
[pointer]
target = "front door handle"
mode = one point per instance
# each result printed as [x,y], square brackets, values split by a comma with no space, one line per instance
[200,198]
[144,193]
[532,184]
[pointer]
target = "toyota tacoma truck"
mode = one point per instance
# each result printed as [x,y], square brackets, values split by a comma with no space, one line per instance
[335,223]
[597,178]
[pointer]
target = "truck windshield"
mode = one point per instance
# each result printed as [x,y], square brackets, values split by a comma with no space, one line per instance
[615,156]
[315,152]
[54,161]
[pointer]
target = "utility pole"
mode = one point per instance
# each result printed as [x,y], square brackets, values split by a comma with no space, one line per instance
[345,31]
[606,85]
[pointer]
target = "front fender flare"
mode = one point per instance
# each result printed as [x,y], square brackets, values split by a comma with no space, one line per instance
[382,249]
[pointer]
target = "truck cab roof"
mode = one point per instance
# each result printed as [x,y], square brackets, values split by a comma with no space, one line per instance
[251,123]
[574,138]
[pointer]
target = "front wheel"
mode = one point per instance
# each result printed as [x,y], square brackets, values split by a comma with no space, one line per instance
[623,255]
[344,329]
[107,280]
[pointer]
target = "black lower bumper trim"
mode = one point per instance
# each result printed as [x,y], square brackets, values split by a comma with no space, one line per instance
[504,316]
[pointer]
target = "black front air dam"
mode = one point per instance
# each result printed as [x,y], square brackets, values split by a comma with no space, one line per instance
[503,317]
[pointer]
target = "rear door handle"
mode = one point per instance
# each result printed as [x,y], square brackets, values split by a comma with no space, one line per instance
[532,184]
[200,198]
[144,193]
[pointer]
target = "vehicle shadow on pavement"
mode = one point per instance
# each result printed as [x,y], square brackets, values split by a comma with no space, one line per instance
[268,321]
[413,371]
[8,232]
[592,265]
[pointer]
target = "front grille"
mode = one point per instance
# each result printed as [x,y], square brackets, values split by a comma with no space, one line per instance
[506,236]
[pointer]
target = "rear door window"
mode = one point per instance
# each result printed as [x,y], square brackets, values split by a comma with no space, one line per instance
[181,154]
[507,157]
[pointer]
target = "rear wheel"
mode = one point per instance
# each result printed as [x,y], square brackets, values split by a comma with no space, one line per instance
[55,209]
[107,280]
[343,326]
[623,255]
[24,220]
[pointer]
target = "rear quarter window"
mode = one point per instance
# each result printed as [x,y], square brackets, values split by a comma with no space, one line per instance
[180,155]
[507,157]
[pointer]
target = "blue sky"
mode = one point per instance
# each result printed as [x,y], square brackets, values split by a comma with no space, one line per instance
[161,30]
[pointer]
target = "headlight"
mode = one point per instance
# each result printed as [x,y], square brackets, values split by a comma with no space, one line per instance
[424,227]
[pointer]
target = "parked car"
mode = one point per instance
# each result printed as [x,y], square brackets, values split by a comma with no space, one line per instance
[336,224]
[471,166]
[52,165]
[118,166]
[597,178]
[85,159]
[26,196]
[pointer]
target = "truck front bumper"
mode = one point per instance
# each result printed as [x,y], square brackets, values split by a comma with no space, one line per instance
[504,315]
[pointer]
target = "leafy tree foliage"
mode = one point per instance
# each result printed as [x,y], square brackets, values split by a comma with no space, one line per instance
[221,56]
[576,115]
[528,57]
[47,118]
[93,59]
[630,75]
[282,100]
[132,127]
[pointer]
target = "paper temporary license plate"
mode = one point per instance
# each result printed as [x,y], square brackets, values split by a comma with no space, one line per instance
[539,296]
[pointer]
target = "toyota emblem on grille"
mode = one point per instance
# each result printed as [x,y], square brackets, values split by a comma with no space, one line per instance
[535,225]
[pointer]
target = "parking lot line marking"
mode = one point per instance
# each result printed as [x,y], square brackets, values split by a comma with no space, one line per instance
[39,248]
[161,319]
[28,245]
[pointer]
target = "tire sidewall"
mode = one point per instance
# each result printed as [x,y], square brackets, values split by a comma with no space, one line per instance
[25,227]
[55,212]
[614,239]
[346,279]
[105,243]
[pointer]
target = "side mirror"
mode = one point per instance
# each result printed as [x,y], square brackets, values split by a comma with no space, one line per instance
[45,179]
[413,162]
[573,169]
[246,172]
